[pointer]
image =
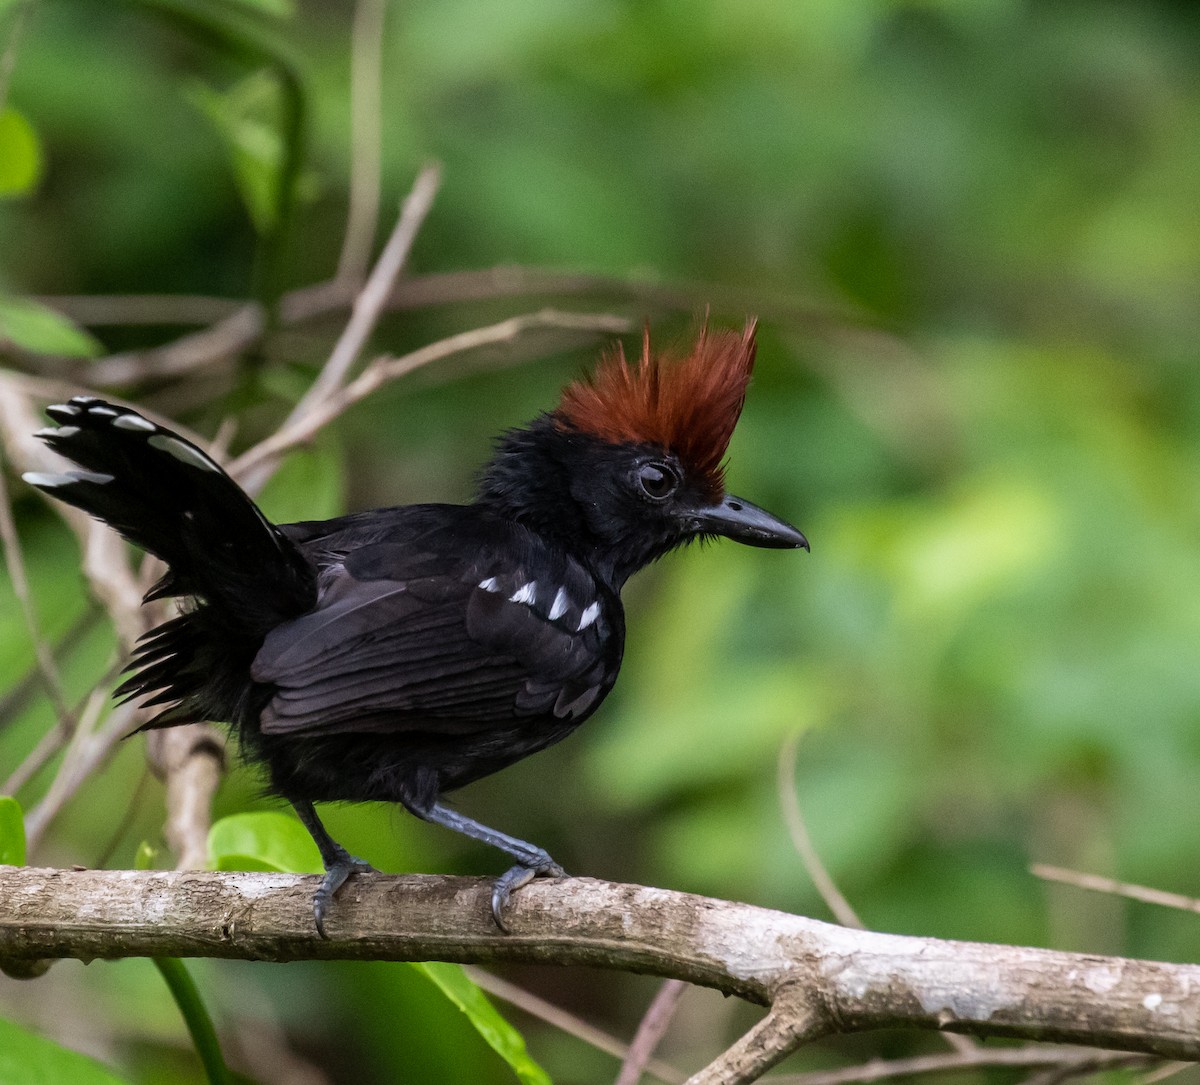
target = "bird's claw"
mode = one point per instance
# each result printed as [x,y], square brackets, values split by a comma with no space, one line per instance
[515,877]
[334,878]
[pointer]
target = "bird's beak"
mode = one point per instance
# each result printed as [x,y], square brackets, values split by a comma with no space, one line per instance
[746,523]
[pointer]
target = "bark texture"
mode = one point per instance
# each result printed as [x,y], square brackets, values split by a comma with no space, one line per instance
[818,978]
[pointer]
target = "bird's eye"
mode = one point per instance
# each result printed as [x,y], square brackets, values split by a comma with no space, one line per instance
[657,480]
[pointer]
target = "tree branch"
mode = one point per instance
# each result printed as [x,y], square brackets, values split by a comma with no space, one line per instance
[1071,1059]
[384,369]
[818,978]
[655,1022]
[370,301]
[1097,884]
[565,1021]
[236,326]
[366,123]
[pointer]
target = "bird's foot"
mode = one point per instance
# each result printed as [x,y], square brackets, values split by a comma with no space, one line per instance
[335,877]
[539,865]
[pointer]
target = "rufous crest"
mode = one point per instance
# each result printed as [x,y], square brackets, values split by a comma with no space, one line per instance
[685,404]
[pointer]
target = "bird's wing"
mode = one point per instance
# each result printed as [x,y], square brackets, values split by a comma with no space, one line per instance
[449,653]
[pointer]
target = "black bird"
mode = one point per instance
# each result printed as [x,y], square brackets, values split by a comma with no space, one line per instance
[396,654]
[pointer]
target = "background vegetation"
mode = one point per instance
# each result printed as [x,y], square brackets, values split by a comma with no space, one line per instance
[972,233]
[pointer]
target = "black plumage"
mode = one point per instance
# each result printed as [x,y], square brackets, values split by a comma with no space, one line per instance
[397,654]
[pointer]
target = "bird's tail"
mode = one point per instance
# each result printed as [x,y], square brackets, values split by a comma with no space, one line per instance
[165,495]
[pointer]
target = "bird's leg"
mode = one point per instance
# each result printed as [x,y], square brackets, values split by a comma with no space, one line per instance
[531,860]
[338,862]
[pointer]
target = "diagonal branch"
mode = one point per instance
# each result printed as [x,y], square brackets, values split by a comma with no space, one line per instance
[14,561]
[370,301]
[1075,1060]
[386,369]
[566,1022]
[785,783]
[1097,884]
[655,1022]
[797,828]
[236,326]
[793,1019]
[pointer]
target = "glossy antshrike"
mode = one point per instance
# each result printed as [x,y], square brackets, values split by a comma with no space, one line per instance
[397,654]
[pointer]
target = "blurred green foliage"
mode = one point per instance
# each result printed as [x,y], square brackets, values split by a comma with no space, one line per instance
[12,832]
[20,155]
[20,1051]
[975,233]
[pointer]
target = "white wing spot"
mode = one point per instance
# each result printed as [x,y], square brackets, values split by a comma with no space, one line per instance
[588,617]
[107,412]
[489,584]
[559,607]
[57,431]
[64,408]
[527,594]
[49,481]
[44,480]
[135,422]
[182,451]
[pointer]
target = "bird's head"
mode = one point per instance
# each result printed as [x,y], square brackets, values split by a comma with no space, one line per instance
[629,465]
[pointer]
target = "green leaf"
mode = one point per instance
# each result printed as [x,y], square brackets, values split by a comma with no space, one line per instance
[12,833]
[20,154]
[40,329]
[248,118]
[29,1059]
[145,856]
[505,1040]
[266,840]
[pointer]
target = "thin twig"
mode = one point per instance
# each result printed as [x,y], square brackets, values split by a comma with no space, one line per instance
[566,1022]
[1028,1057]
[833,897]
[794,1019]
[56,738]
[1122,889]
[16,698]
[369,304]
[243,324]
[133,806]
[1168,1069]
[266,1050]
[53,740]
[86,753]
[366,86]
[15,563]
[142,310]
[1056,1075]
[386,369]
[8,59]
[802,841]
[189,354]
[654,1024]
